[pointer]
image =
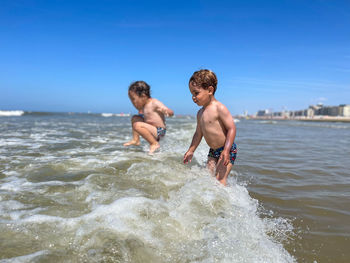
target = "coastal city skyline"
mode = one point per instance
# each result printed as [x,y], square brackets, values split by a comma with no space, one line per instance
[318,111]
[64,56]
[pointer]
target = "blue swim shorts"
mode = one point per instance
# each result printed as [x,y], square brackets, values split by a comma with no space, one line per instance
[216,153]
[160,132]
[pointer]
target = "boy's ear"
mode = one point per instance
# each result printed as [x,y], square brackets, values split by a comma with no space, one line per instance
[211,89]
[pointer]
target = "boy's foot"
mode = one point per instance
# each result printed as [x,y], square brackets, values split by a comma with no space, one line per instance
[132,142]
[153,148]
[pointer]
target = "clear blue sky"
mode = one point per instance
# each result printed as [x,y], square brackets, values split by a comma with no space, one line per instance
[81,55]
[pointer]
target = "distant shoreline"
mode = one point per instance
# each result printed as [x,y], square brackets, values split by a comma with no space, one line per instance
[312,119]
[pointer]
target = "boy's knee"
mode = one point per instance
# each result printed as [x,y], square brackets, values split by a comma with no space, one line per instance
[136,125]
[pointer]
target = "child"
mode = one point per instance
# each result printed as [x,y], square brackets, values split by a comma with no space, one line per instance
[215,123]
[150,122]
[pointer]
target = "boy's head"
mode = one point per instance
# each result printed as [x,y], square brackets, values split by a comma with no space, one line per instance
[139,93]
[140,88]
[204,79]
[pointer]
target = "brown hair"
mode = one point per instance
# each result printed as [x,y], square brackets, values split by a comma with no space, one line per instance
[204,78]
[140,87]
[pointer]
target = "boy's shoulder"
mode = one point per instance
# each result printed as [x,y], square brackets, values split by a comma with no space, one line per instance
[220,106]
[151,101]
[218,103]
[214,106]
[217,109]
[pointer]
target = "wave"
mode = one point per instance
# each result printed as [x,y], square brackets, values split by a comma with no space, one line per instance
[11,112]
[115,114]
[101,201]
[4,113]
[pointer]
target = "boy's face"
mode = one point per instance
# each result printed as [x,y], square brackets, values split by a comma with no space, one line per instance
[138,101]
[200,96]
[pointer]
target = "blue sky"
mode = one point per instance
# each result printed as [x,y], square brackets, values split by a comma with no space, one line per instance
[81,56]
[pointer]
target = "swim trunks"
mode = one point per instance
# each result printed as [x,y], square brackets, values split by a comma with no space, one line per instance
[160,132]
[216,153]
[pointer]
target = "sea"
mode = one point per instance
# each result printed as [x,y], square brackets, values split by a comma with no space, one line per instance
[71,192]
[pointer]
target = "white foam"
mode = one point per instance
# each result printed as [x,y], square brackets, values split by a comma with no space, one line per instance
[115,114]
[13,142]
[17,184]
[11,113]
[107,114]
[14,185]
[224,220]
[26,258]
[10,209]
[227,219]
[268,122]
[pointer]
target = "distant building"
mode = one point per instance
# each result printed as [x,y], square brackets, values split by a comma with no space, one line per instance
[344,110]
[313,110]
[300,113]
[321,110]
[328,111]
[262,113]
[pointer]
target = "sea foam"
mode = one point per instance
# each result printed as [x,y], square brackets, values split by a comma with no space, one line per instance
[11,113]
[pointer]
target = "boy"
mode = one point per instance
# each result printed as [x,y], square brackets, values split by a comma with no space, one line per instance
[150,122]
[215,123]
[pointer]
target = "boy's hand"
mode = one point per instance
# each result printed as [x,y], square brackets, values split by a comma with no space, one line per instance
[225,157]
[188,157]
[168,113]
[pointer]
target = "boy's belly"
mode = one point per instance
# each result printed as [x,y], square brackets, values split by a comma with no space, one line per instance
[155,122]
[215,140]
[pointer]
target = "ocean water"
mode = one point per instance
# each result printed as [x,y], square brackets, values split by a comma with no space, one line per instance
[71,192]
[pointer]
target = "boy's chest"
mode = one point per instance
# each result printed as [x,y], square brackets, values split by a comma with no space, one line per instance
[148,109]
[208,118]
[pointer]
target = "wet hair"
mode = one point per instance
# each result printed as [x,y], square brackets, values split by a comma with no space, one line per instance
[140,87]
[204,78]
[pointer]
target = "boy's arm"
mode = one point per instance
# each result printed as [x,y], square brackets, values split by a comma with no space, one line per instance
[163,109]
[226,118]
[197,137]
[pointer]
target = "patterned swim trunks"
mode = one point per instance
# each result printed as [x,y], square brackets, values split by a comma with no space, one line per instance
[216,153]
[160,132]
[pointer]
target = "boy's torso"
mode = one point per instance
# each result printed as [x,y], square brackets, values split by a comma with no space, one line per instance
[211,126]
[152,116]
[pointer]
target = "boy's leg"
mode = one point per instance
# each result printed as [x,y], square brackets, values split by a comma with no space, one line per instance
[222,171]
[211,164]
[149,133]
[218,169]
[135,136]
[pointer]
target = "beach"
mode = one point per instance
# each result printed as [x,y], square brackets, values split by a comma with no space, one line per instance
[71,192]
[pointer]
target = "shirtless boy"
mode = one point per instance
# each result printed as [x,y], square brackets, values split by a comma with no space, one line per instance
[150,122]
[215,123]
